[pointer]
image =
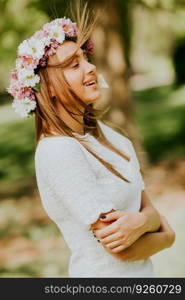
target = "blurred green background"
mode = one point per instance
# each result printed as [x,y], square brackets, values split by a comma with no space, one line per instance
[145,63]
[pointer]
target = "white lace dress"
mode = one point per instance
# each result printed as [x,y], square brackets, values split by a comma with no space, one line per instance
[75,188]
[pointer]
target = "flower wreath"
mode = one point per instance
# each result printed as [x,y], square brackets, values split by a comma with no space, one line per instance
[33,52]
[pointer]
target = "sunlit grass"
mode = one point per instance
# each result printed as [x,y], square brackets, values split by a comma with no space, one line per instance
[30,244]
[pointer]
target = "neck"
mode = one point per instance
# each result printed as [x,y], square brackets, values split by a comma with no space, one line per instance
[77,124]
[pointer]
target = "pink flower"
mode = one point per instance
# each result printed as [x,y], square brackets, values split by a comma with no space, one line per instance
[43,61]
[68,26]
[15,86]
[28,92]
[69,29]
[13,74]
[89,47]
[29,62]
[49,50]
[17,90]
[34,52]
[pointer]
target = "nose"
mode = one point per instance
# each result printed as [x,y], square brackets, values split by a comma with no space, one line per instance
[90,68]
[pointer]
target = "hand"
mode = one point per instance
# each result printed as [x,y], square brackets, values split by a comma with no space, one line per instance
[99,224]
[148,244]
[126,228]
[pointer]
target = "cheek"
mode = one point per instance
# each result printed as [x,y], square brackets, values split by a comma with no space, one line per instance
[75,80]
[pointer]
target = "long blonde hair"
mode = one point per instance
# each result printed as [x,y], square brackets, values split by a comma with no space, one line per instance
[47,114]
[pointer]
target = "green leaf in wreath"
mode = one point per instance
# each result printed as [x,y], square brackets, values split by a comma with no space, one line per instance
[37,87]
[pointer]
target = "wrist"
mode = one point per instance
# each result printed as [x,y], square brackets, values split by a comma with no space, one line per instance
[146,223]
[152,219]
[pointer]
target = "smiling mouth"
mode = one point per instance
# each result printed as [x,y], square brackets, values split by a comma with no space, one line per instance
[92,83]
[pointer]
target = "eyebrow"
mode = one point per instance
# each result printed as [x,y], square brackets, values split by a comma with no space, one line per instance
[68,61]
[78,55]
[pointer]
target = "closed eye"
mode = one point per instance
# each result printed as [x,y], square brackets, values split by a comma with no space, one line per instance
[75,66]
[85,57]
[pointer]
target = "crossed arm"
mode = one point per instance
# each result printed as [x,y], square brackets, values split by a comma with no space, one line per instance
[134,235]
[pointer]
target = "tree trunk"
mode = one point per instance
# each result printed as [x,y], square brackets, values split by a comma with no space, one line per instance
[112,60]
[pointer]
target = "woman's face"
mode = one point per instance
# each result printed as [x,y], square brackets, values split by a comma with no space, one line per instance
[79,73]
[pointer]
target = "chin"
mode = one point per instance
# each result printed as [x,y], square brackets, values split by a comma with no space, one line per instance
[95,97]
[92,100]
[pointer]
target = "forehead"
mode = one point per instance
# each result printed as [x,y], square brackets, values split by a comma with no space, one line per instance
[67,49]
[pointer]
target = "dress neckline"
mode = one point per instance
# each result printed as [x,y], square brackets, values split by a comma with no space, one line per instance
[81,135]
[56,134]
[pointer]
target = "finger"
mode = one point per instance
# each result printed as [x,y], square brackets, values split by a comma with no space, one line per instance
[111,238]
[111,216]
[114,244]
[110,229]
[118,249]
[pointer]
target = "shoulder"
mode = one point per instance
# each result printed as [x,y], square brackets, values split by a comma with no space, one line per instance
[56,140]
[57,147]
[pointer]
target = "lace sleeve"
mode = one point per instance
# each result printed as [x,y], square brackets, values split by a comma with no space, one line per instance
[68,173]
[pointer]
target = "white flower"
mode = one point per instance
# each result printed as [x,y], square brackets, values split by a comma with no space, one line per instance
[18,63]
[55,22]
[32,47]
[40,34]
[27,77]
[46,40]
[23,106]
[57,33]
[26,62]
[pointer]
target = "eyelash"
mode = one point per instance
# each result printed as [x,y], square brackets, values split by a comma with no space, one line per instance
[75,66]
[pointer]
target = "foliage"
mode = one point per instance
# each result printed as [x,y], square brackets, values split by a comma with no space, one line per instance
[18,21]
[160,116]
[17,157]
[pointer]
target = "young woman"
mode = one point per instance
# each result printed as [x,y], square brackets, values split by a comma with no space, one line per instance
[88,174]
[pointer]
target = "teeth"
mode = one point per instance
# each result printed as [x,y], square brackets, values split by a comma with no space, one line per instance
[90,82]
